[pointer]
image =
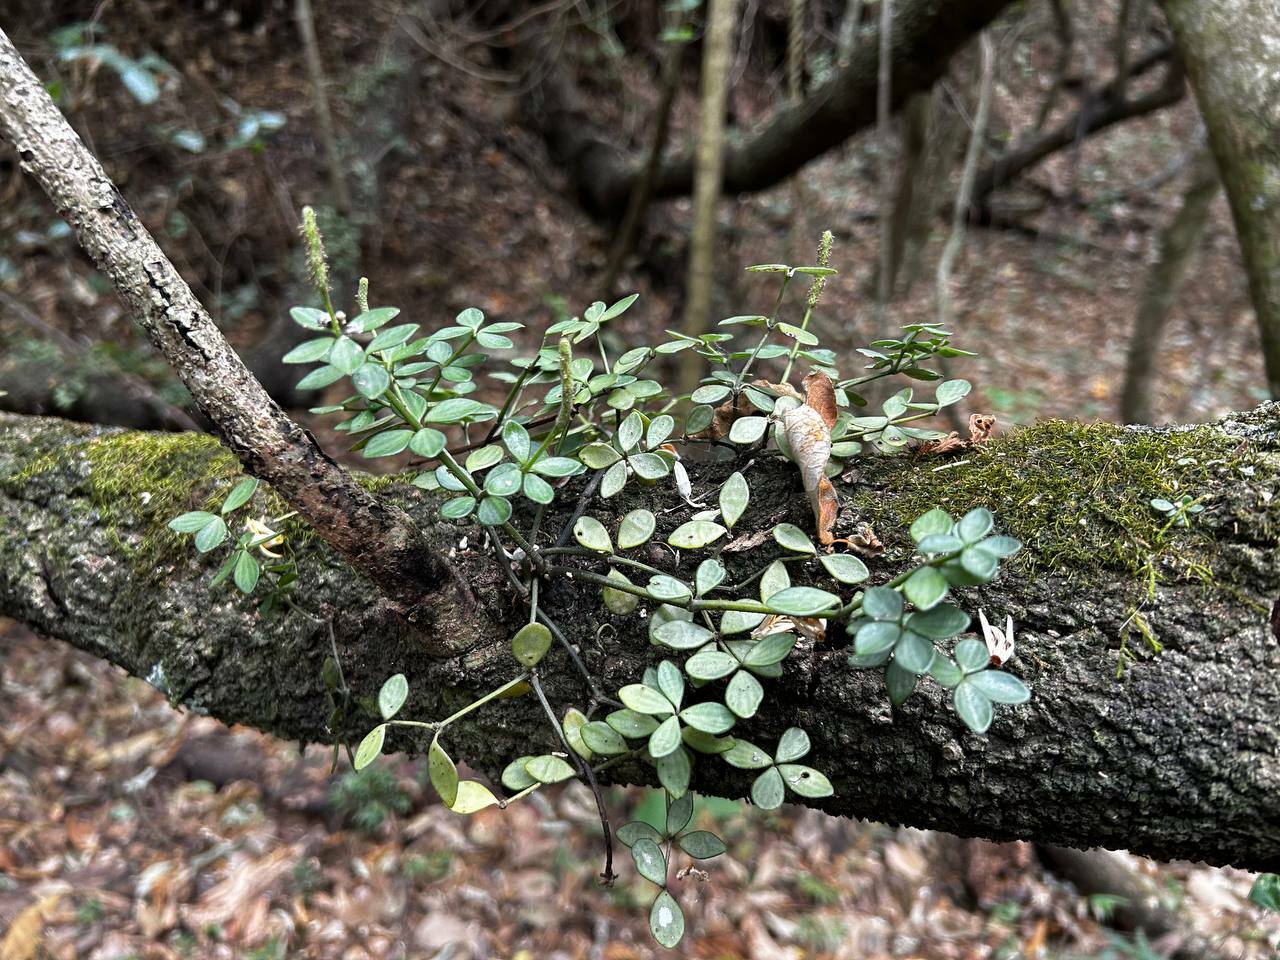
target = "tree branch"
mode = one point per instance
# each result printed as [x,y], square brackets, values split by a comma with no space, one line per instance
[1177,759]
[926,34]
[378,539]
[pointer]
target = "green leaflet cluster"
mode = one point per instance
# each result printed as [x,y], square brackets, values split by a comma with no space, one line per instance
[610,420]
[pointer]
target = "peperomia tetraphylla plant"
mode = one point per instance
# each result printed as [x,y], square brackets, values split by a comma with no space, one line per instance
[572,408]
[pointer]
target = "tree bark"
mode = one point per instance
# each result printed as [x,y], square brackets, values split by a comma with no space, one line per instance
[1232,52]
[1178,242]
[717,59]
[1180,758]
[379,539]
[926,34]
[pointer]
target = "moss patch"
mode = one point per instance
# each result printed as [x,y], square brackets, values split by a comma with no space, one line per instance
[1077,494]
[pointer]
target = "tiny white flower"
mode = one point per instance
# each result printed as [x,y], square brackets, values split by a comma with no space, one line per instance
[999,642]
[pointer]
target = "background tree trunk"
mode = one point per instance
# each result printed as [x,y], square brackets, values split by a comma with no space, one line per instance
[1178,243]
[717,59]
[1232,52]
[1179,758]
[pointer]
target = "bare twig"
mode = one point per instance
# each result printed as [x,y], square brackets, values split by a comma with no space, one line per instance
[306,22]
[963,197]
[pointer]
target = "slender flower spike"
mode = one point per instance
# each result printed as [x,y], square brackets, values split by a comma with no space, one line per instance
[808,429]
[999,642]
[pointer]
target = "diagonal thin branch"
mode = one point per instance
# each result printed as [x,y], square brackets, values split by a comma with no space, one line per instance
[376,538]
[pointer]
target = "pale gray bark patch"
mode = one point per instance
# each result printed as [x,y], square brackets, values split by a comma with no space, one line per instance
[1232,52]
[1179,759]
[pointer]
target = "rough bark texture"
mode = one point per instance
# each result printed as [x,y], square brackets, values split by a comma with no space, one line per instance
[378,539]
[717,60]
[1232,52]
[1178,758]
[927,33]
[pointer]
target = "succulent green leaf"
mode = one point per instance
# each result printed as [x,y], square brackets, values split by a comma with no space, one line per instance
[768,790]
[743,695]
[805,781]
[392,696]
[803,602]
[844,567]
[792,745]
[531,643]
[549,769]
[370,747]
[999,686]
[696,534]
[591,533]
[701,844]
[666,920]
[645,699]
[634,830]
[443,773]
[972,706]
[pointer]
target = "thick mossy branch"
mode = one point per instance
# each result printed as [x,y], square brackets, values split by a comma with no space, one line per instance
[1180,757]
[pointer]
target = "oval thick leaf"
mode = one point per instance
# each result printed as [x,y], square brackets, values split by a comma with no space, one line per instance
[790,537]
[370,746]
[636,528]
[845,568]
[767,791]
[803,601]
[549,769]
[531,643]
[805,781]
[644,699]
[472,796]
[710,664]
[972,706]
[634,830]
[666,921]
[792,745]
[748,429]
[925,587]
[710,717]
[679,813]
[392,696]
[515,777]
[631,724]
[591,533]
[734,497]
[747,756]
[673,772]
[603,739]
[999,686]
[744,694]
[701,844]
[681,635]
[696,534]
[666,739]
[442,773]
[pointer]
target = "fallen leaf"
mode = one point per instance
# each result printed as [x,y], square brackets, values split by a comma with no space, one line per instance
[22,940]
[981,426]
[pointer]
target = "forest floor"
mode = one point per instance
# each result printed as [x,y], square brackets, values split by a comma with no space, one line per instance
[131,830]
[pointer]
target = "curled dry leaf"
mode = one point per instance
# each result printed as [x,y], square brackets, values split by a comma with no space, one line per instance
[811,628]
[981,426]
[808,429]
[865,541]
